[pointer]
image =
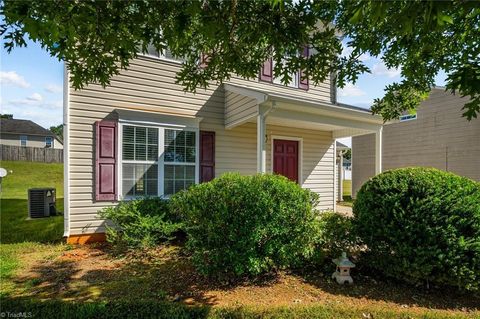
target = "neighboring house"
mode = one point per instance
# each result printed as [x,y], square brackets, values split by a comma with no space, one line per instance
[144,136]
[437,136]
[26,133]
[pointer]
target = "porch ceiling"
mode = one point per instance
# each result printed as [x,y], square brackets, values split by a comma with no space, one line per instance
[279,109]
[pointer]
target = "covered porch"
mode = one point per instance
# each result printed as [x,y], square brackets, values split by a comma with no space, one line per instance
[272,111]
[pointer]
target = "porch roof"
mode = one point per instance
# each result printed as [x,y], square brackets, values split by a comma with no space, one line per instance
[287,110]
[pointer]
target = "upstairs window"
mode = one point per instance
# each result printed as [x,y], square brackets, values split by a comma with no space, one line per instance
[165,55]
[23,140]
[293,82]
[48,142]
[408,117]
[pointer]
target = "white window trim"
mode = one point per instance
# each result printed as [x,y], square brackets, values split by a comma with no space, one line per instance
[160,162]
[407,117]
[161,56]
[26,140]
[278,81]
[300,153]
[51,143]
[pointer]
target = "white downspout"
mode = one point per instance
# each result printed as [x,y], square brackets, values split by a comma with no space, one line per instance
[378,151]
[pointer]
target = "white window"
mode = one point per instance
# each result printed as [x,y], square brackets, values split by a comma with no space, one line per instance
[408,117]
[23,140]
[48,141]
[165,55]
[157,161]
[179,160]
[293,82]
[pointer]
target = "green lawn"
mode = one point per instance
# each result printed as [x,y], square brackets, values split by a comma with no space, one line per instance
[45,278]
[347,188]
[15,227]
[18,234]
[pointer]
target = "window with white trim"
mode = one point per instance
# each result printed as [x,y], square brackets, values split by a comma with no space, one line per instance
[156,159]
[408,117]
[294,78]
[165,55]
[179,160]
[48,141]
[23,140]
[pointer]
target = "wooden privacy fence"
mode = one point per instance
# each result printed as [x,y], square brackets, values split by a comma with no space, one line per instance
[31,154]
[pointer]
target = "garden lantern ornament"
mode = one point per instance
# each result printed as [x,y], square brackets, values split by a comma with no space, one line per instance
[342,274]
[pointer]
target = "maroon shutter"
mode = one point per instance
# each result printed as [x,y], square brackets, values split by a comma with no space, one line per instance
[207,156]
[204,59]
[106,161]
[266,74]
[302,76]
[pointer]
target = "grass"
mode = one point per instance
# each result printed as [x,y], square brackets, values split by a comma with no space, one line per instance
[347,188]
[45,278]
[347,193]
[19,236]
[15,228]
[161,309]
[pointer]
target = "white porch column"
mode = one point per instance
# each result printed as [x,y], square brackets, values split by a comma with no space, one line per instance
[378,151]
[340,177]
[261,147]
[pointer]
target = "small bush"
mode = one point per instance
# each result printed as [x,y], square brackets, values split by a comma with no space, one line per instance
[421,225]
[246,225]
[140,223]
[334,235]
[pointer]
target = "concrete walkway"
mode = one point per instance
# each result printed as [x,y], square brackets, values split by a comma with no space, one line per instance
[344,210]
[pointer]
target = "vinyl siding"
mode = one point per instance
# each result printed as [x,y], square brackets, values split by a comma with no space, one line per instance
[440,137]
[32,140]
[239,108]
[149,85]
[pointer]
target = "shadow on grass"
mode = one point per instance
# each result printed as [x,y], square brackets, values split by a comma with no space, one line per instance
[403,294]
[114,309]
[17,228]
[167,276]
[161,275]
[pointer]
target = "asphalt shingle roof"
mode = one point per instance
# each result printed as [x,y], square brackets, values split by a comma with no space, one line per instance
[26,127]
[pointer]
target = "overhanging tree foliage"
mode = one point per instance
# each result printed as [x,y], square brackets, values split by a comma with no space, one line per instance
[98,38]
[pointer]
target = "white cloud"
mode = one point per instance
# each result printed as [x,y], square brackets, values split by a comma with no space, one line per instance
[381,69]
[35,97]
[53,88]
[351,90]
[13,78]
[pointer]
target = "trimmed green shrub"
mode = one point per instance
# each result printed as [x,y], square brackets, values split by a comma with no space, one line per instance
[421,225]
[334,235]
[141,223]
[247,225]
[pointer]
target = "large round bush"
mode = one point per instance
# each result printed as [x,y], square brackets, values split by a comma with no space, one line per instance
[246,225]
[421,225]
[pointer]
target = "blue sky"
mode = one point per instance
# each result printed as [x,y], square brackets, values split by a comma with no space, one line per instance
[32,85]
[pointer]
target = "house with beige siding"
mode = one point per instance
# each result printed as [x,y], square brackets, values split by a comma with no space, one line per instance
[144,136]
[436,136]
[25,133]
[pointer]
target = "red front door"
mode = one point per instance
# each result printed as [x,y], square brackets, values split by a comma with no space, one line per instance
[285,158]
